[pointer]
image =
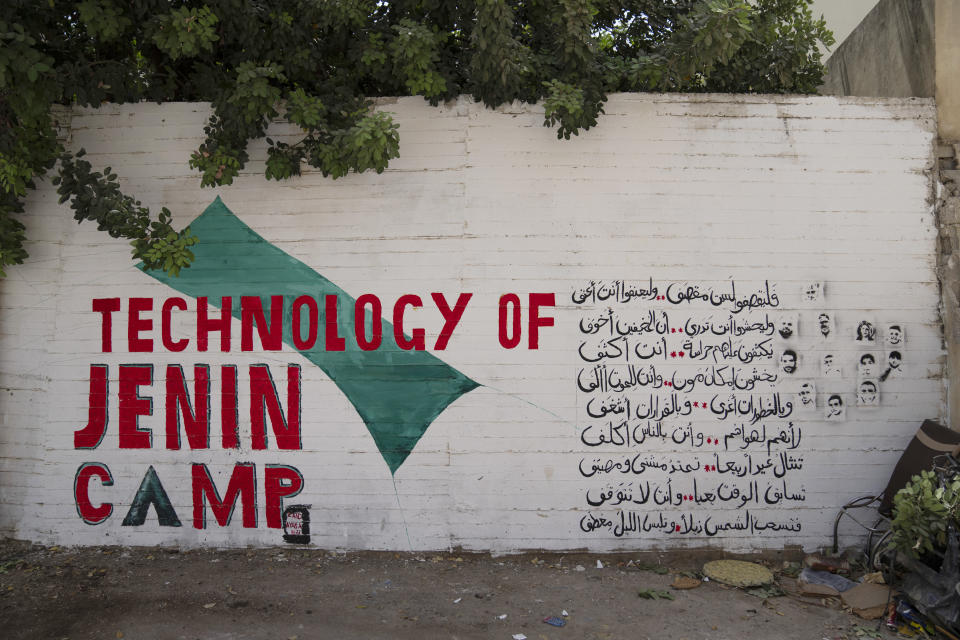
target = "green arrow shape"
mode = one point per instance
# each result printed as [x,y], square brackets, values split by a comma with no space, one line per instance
[397,393]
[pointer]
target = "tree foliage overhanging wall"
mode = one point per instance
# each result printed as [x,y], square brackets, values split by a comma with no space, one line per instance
[316,62]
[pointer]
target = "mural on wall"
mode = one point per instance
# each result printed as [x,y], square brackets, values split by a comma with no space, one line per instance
[383,368]
[396,386]
[248,403]
[693,395]
[695,399]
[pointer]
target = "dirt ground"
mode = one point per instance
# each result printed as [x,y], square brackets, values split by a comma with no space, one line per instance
[153,593]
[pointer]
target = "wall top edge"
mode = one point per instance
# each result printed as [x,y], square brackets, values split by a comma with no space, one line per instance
[652,98]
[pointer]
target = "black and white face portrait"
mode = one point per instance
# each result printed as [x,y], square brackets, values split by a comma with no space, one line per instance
[893,335]
[894,366]
[866,332]
[867,365]
[829,367]
[786,326]
[835,411]
[825,324]
[868,393]
[788,361]
[894,360]
[811,292]
[807,396]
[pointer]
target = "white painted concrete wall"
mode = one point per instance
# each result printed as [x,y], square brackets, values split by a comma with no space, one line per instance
[705,190]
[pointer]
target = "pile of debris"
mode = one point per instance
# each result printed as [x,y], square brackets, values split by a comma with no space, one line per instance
[831,582]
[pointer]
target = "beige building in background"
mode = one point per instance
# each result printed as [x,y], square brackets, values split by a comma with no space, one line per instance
[842,17]
[899,49]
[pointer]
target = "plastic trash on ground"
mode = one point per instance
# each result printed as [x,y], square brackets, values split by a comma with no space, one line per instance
[823,583]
